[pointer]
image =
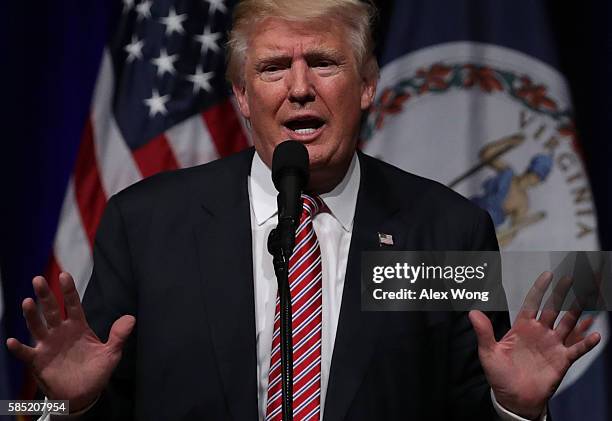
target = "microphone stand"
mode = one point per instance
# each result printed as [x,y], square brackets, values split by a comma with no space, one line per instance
[280,244]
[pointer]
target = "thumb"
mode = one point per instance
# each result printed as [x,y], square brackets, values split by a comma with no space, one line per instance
[483,328]
[120,331]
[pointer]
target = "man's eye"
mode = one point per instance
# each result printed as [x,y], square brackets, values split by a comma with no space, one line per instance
[272,72]
[323,64]
[271,69]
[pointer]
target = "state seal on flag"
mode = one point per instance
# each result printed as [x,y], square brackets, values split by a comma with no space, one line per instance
[497,126]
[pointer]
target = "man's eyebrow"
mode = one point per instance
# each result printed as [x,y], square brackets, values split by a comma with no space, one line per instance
[324,53]
[273,56]
[276,55]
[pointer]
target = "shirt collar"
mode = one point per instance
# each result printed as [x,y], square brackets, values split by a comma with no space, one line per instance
[341,200]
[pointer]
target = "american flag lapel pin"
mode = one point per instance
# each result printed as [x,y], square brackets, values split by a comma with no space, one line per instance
[385,239]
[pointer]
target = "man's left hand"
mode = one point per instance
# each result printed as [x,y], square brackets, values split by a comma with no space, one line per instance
[527,365]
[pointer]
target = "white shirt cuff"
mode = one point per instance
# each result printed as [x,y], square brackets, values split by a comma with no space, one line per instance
[506,415]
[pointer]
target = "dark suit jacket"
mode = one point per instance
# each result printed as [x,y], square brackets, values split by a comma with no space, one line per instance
[175,251]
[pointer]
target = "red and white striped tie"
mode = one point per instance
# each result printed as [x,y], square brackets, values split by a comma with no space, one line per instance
[306,292]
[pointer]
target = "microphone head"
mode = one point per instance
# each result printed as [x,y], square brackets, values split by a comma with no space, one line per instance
[290,157]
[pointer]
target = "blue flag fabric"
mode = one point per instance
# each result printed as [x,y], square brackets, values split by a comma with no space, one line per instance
[522,25]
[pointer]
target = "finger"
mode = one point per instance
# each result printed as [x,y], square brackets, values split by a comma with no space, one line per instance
[551,309]
[35,324]
[577,334]
[120,331]
[483,328]
[48,303]
[72,301]
[568,322]
[21,351]
[533,300]
[585,324]
[599,279]
[578,350]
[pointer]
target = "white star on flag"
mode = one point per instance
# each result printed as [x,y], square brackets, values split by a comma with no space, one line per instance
[134,49]
[201,80]
[174,22]
[208,40]
[216,5]
[157,103]
[165,63]
[144,9]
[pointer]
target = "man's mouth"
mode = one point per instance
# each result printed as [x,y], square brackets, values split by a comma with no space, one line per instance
[304,126]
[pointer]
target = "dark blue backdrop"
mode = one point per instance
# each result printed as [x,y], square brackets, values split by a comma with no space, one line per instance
[51,52]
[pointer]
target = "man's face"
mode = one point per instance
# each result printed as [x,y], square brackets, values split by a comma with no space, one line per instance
[302,82]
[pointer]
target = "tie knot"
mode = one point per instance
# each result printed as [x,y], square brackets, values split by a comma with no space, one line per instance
[313,204]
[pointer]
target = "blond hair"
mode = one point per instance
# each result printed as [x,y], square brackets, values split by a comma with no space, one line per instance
[356,15]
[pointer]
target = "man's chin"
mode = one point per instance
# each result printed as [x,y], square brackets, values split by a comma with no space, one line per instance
[318,162]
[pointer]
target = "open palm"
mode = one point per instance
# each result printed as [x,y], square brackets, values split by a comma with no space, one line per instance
[527,365]
[69,360]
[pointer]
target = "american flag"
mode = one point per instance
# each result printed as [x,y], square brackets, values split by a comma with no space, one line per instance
[160,103]
[385,239]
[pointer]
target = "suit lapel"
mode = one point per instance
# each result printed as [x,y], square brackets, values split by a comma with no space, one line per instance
[357,331]
[224,245]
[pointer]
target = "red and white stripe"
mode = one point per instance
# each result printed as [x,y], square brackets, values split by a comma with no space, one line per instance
[306,305]
[105,165]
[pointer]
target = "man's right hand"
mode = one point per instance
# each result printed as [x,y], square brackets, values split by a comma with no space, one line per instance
[69,360]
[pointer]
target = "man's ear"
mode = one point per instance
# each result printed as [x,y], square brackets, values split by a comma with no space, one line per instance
[369,80]
[241,97]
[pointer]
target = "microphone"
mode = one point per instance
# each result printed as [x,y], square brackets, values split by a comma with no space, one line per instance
[290,176]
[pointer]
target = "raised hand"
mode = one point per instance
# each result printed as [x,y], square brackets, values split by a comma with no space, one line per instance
[527,365]
[69,360]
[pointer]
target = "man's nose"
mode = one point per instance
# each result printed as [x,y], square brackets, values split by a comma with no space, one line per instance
[301,89]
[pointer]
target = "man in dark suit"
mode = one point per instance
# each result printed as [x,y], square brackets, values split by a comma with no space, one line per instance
[180,286]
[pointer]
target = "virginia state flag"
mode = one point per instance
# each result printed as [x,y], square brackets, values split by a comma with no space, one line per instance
[471,95]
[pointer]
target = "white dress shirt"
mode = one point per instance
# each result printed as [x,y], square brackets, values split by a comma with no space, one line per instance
[333,231]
